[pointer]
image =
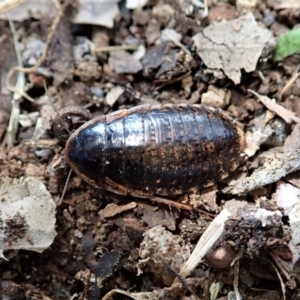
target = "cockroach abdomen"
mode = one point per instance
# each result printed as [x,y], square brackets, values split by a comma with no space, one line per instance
[166,149]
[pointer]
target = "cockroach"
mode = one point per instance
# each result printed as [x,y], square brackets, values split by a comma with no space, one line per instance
[153,151]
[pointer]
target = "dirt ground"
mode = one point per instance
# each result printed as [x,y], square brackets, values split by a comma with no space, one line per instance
[234,239]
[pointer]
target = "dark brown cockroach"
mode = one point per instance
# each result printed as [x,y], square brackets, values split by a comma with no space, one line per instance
[151,151]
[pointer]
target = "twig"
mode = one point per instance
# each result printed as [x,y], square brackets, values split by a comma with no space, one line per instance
[281,281]
[96,51]
[15,110]
[236,280]
[3,38]
[40,60]
[65,188]
[182,280]
[177,43]
[289,83]
[278,262]
[173,80]
[205,13]
[9,4]
[207,240]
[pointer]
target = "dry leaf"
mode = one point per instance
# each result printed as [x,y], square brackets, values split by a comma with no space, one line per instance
[287,197]
[113,95]
[232,45]
[216,97]
[287,115]
[124,62]
[113,209]
[286,4]
[101,12]
[279,162]
[135,4]
[25,10]
[27,219]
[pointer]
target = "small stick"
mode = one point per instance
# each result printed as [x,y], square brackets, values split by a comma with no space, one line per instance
[50,100]
[290,82]
[40,60]
[182,280]
[65,188]
[9,4]
[96,51]
[173,80]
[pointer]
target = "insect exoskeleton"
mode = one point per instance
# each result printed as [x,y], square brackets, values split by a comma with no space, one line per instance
[156,150]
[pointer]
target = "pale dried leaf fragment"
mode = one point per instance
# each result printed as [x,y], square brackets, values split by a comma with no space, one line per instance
[279,162]
[27,219]
[124,62]
[287,115]
[114,94]
[24,10]
[136,4]
[157,293]
[232,45]
[101,12]
[287,197]
[216,97]
[113,209]
[266,130]
[286,4]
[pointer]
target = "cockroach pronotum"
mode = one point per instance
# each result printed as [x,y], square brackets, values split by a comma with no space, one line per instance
[152,151]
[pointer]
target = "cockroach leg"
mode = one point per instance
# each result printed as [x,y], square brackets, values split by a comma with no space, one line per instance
[121,190]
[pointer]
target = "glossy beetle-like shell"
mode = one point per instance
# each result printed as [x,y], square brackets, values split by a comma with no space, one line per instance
[167,149]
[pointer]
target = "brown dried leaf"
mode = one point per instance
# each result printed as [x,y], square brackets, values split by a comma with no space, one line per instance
[113,209]
[101,12]
[232,45]
[158,217]
[287,115]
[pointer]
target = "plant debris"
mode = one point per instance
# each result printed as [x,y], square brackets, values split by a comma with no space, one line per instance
[27,215]
[232,45]
[64,64]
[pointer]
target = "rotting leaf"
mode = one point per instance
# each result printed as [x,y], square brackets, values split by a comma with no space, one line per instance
[160,248]
[106,264]
[288,44]
[27,219]
[232,45]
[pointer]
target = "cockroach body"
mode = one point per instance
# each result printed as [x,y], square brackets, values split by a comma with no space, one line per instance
[161,150]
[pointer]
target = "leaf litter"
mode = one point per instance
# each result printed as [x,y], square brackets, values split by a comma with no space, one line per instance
[232,45]
[238,228]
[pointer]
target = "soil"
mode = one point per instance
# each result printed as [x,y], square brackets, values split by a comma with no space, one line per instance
[105,241]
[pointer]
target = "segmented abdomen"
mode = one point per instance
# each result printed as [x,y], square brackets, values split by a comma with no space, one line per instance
[165,149]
